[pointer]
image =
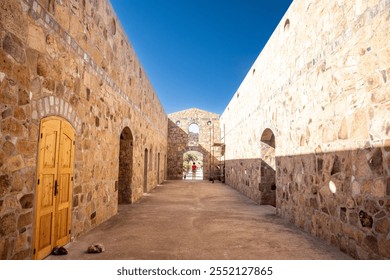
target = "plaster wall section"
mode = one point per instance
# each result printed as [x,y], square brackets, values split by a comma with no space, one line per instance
[71,59]
[179,142]
[321,85]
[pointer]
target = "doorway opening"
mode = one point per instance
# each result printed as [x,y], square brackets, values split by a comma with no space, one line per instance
[125,167]
[267,185]
[55,171]
[146,171]
[193,165]
[158,168]
[193,135]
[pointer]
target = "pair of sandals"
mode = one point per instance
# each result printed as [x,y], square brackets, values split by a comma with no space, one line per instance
[59,251]
[95,248]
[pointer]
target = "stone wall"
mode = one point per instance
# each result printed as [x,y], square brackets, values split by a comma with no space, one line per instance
[321,86]
[181,141]
[72,59]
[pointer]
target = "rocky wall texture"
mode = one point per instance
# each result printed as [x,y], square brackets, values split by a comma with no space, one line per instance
[71,59]
[180,141]
[321,86]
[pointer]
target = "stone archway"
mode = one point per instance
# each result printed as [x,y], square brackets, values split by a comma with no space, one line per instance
[267,185]
[125,167]
[190,158]
[146,171]
[193,135]
[55,170]
[158,168]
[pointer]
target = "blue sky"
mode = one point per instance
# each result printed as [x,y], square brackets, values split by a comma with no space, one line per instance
[197,52]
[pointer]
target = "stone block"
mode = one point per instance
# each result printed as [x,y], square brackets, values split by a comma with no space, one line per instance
[379,188]
[42,66]
[27,201]
[371,244]
[384,247]
[23,97]
[388,187]
[376,162]
[23,179]
[25,220]
[27,148]
[8,91]
[19,114]
[359,127]
[365,219]
[14,47]
[36,38]
[21,73]
[8,225]
[52,46]
[8,148]
[6,113]
[15,163]
[4,185]
[371,206]
[343,131]
[353,218]
[12,18]
[382,226]
[48,84]
[32,56]
[23,255]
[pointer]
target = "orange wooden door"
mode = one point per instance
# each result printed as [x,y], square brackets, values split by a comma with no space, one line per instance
[54,186]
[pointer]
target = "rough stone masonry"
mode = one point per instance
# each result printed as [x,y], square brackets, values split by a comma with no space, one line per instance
[72,60]
[313,139]
[320,88]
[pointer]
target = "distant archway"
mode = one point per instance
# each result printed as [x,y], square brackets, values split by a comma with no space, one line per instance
[146,171]
[125,166]
[267,185]
[189,159]
[193,135]
[158,168]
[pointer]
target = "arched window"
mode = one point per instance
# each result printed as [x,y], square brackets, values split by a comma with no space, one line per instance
[287,25]
[193,135]
[125,166]
[267,184]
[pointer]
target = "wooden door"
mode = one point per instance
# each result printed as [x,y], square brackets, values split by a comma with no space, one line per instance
[54,186]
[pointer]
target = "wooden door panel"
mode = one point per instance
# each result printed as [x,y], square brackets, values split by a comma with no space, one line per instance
[64,185]
[47,191]
[50,138]
[45,241]
[47,175]
[54,186]
[63,210]
[62,227]
[66,150]
[45,230]
[65,175]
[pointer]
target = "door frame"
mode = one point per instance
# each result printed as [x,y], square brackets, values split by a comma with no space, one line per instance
[66,129]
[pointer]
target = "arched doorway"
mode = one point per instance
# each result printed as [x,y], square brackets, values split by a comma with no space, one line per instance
[125,166]
[158,168]
[267,185]
[54,185]
[193,135]
[146,171]
[189,159]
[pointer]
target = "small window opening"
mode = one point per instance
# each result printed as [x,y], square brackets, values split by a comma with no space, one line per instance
[287,25]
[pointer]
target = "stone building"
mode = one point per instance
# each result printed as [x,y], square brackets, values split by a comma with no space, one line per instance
[81,126]
[314,139]
[205,142]
[82,130]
